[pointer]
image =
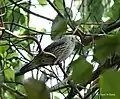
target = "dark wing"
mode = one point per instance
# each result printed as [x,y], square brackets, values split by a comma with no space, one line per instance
[39,60]
[54,45]
[24,69]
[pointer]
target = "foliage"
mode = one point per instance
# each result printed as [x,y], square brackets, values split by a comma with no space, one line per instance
[97,24]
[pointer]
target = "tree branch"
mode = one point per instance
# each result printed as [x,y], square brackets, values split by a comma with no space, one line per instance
[109,28]
[26,36]
[26,10]
[12,90]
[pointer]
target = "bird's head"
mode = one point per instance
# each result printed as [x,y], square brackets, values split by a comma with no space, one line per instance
[74,38]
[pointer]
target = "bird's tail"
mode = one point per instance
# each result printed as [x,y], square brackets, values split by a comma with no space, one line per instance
[18,74]
[24,69]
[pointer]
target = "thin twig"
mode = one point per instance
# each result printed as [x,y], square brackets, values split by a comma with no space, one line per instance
[26,36]
[5,87]
[30,11]
[55,9]
[37,32]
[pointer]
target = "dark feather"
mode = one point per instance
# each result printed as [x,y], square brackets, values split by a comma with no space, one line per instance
[55,44]
[39,60]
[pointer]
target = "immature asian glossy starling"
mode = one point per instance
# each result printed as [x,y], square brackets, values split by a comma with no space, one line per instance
[63,48]
[60,50]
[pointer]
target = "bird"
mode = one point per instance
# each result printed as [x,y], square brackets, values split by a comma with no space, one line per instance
[63,48]
[59,51]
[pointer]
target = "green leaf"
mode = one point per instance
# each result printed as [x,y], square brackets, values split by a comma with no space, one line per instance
[3,46]
[82,70]
[59,26]
[3,3]
[11,55]
[23,20]
[59,5]
[114,12]
[9,74]
[106,46]
[36,89]
[55,97]
[43,30]
[16,63]
[96,9]
[17,13]
[110,84]
[42,2]
[1,79]
[28,32]
[25,4]
[9,96]
[20,88]
[23,44]
[15,17]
